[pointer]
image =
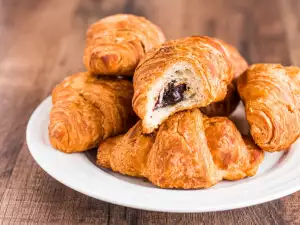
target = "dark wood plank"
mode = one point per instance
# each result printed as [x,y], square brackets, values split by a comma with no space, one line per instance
[290,15]
[33,196]
[30,65]
[43,41]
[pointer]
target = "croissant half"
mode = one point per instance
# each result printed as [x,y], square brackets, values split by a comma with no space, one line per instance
[181,74]
[183,153]
[87,109]
[232,99]
[115,44]
[271,96]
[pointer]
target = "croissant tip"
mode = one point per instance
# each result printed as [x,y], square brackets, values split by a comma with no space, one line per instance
[59,136]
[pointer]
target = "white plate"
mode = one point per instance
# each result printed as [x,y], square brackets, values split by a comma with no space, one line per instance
[278,175]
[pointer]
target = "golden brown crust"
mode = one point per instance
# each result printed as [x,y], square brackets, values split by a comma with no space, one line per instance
[116,44]
[128,153]
[207,58]
[294,73]
[188,151]
[229,151]
[232,99]
[105,150]
[87,109]
[257,155]
[239,63]
[270,93]
[180,157]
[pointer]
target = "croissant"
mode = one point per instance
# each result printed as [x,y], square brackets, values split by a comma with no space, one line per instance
[232,99]
[188,151]
[271,96]
[87,109]
[116,44]
[180,74]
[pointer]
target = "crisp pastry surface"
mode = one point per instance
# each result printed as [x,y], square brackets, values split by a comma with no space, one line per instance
[180,74]
[235,155]
[239,63]
[188,151]
[116,44]
[180,157]
[232,99]
[127,153]
[87,109]
[270,93]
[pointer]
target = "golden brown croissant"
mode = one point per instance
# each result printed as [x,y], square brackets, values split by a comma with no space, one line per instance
[232,99]
[181,74]
[271,96]
[188,151]
[87,109]
[116,44]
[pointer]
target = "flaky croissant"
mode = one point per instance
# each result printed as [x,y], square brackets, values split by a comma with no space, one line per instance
[87,109]
[181,74]
[271,96]
[115,44]
[232,99]
[188,151]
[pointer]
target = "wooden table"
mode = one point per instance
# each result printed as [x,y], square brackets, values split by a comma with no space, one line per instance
[41,42]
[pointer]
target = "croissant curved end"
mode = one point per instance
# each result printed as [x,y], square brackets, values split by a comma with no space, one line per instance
[261,126]
[105,150]
[59,136]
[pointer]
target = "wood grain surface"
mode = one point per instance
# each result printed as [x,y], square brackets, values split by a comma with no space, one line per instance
[41,42]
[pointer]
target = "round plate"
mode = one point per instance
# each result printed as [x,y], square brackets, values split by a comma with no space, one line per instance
[278,175]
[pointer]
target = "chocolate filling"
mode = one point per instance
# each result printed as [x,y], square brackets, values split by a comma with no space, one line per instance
[172,95]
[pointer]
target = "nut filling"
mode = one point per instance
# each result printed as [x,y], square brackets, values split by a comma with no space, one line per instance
[172,95]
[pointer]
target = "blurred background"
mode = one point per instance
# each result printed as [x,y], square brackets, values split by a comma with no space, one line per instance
[49,35]
[42,41]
